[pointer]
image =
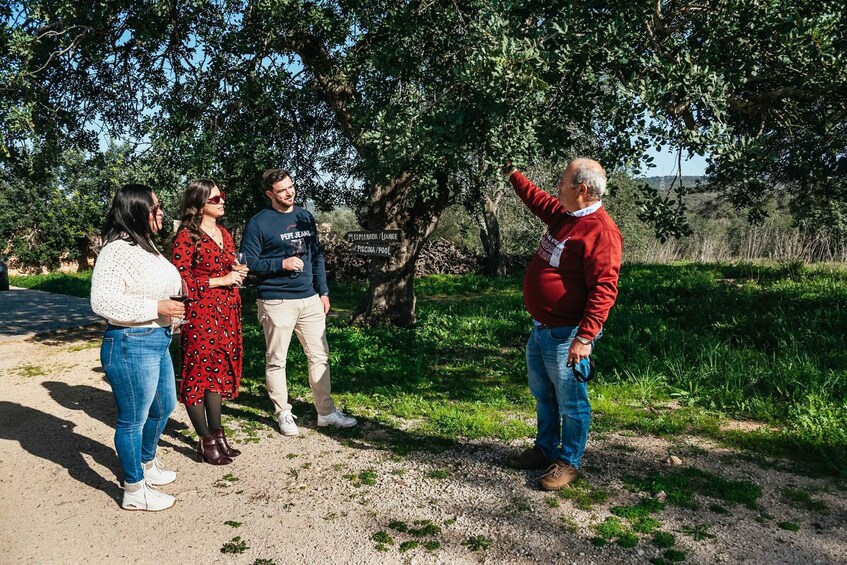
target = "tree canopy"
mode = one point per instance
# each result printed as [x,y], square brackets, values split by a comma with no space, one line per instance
[394,107]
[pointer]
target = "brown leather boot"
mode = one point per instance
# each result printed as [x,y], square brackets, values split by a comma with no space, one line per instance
[223,445]
[209,451]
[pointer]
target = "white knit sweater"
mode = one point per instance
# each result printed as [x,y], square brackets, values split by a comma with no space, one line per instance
[128,282]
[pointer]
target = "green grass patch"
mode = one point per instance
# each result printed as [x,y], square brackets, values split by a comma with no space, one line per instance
[583,494]
[613,529]
[699,532]
[803,499]
[681,487]
[73,284]
[365,478]
[685,346]
[663,540]
[381,537]
[674,555]
[235,546]
[478,542]
[790,526]
[424,528]
[408,545]
[29,371]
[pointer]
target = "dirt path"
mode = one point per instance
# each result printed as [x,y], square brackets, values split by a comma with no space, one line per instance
[320,498]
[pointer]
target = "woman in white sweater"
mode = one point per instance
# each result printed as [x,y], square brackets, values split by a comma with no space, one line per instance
[130,287]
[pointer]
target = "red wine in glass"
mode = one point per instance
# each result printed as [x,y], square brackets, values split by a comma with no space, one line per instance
[183,297]
[298,249]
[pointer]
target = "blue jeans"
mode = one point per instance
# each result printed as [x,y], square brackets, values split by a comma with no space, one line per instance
[139,368]
[564,413]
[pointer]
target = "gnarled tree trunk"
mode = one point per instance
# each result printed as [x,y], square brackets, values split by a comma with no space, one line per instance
[489,234]
[390,300]
[83,250]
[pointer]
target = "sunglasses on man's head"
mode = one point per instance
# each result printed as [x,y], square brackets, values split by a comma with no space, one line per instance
[217,199]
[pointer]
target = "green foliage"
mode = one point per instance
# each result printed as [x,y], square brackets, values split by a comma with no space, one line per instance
[408,545]
[56,213]
[235,546]
[789,526]
[751,340]
[365,478]
[681,486]
[73,284]
[583,494]
[804,499]
[382,538]
[663,540]
[674,555]
[398,525]
[424,528]
[477,543]
[612,529]
[700,532]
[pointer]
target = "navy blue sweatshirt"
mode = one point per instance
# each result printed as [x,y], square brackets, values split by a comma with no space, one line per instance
[268,240]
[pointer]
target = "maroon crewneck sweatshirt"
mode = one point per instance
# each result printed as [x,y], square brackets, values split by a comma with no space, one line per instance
[572,280]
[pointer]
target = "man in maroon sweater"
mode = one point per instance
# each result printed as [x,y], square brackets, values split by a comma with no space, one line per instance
[569,287]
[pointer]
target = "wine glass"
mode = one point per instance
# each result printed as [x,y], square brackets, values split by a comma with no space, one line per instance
[239,260]
[298,249]
[181,296]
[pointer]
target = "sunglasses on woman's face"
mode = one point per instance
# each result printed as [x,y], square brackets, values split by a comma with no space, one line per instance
[157,208]
[217,199]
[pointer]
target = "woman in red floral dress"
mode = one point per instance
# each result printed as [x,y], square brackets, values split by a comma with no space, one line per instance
[204,254]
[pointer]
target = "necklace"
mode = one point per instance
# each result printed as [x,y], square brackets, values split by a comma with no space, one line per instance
[216,236]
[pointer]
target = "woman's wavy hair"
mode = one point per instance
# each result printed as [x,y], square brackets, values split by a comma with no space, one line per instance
[195,197]
[128,217]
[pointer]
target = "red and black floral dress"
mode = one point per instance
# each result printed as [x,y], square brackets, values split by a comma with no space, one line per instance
[211,340]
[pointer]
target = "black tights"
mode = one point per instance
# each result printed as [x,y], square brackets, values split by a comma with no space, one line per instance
[206,416]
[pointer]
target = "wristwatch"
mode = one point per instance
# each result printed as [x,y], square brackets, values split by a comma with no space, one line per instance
[583,340]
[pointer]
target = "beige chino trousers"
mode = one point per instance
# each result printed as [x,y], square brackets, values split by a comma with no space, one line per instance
[306,318]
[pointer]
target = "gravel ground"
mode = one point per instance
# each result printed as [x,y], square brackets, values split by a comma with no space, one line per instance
[321,497]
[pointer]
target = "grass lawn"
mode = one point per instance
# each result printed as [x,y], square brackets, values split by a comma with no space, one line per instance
[686,346]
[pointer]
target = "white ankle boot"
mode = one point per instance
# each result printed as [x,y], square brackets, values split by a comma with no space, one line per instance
[155,473]
[145,498]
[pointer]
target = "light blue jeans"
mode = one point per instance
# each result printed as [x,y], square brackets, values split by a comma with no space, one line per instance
[564,413]
[138,367]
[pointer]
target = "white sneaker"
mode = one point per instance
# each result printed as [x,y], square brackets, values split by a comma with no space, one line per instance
[155,473]
[338,419]
[287,427]
[146,498]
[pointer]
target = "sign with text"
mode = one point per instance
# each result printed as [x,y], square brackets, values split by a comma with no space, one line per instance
[386,236]
[373,243]
[373,249]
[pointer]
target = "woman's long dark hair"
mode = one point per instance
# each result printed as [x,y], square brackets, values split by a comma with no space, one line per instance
[128,217]
[196,195]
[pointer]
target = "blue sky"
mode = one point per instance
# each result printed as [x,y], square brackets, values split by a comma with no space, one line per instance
[666,164]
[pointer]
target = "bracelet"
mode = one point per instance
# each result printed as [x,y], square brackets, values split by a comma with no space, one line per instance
[583,340]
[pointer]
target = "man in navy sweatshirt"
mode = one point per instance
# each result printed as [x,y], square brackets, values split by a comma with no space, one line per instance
[282,249]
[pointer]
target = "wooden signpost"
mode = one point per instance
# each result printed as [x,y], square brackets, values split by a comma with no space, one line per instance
[373,243]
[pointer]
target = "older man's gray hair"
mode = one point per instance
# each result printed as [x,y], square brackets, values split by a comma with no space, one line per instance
[590,173]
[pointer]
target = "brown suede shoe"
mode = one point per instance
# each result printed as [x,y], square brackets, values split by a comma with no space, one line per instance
[558,475]
[531,458]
